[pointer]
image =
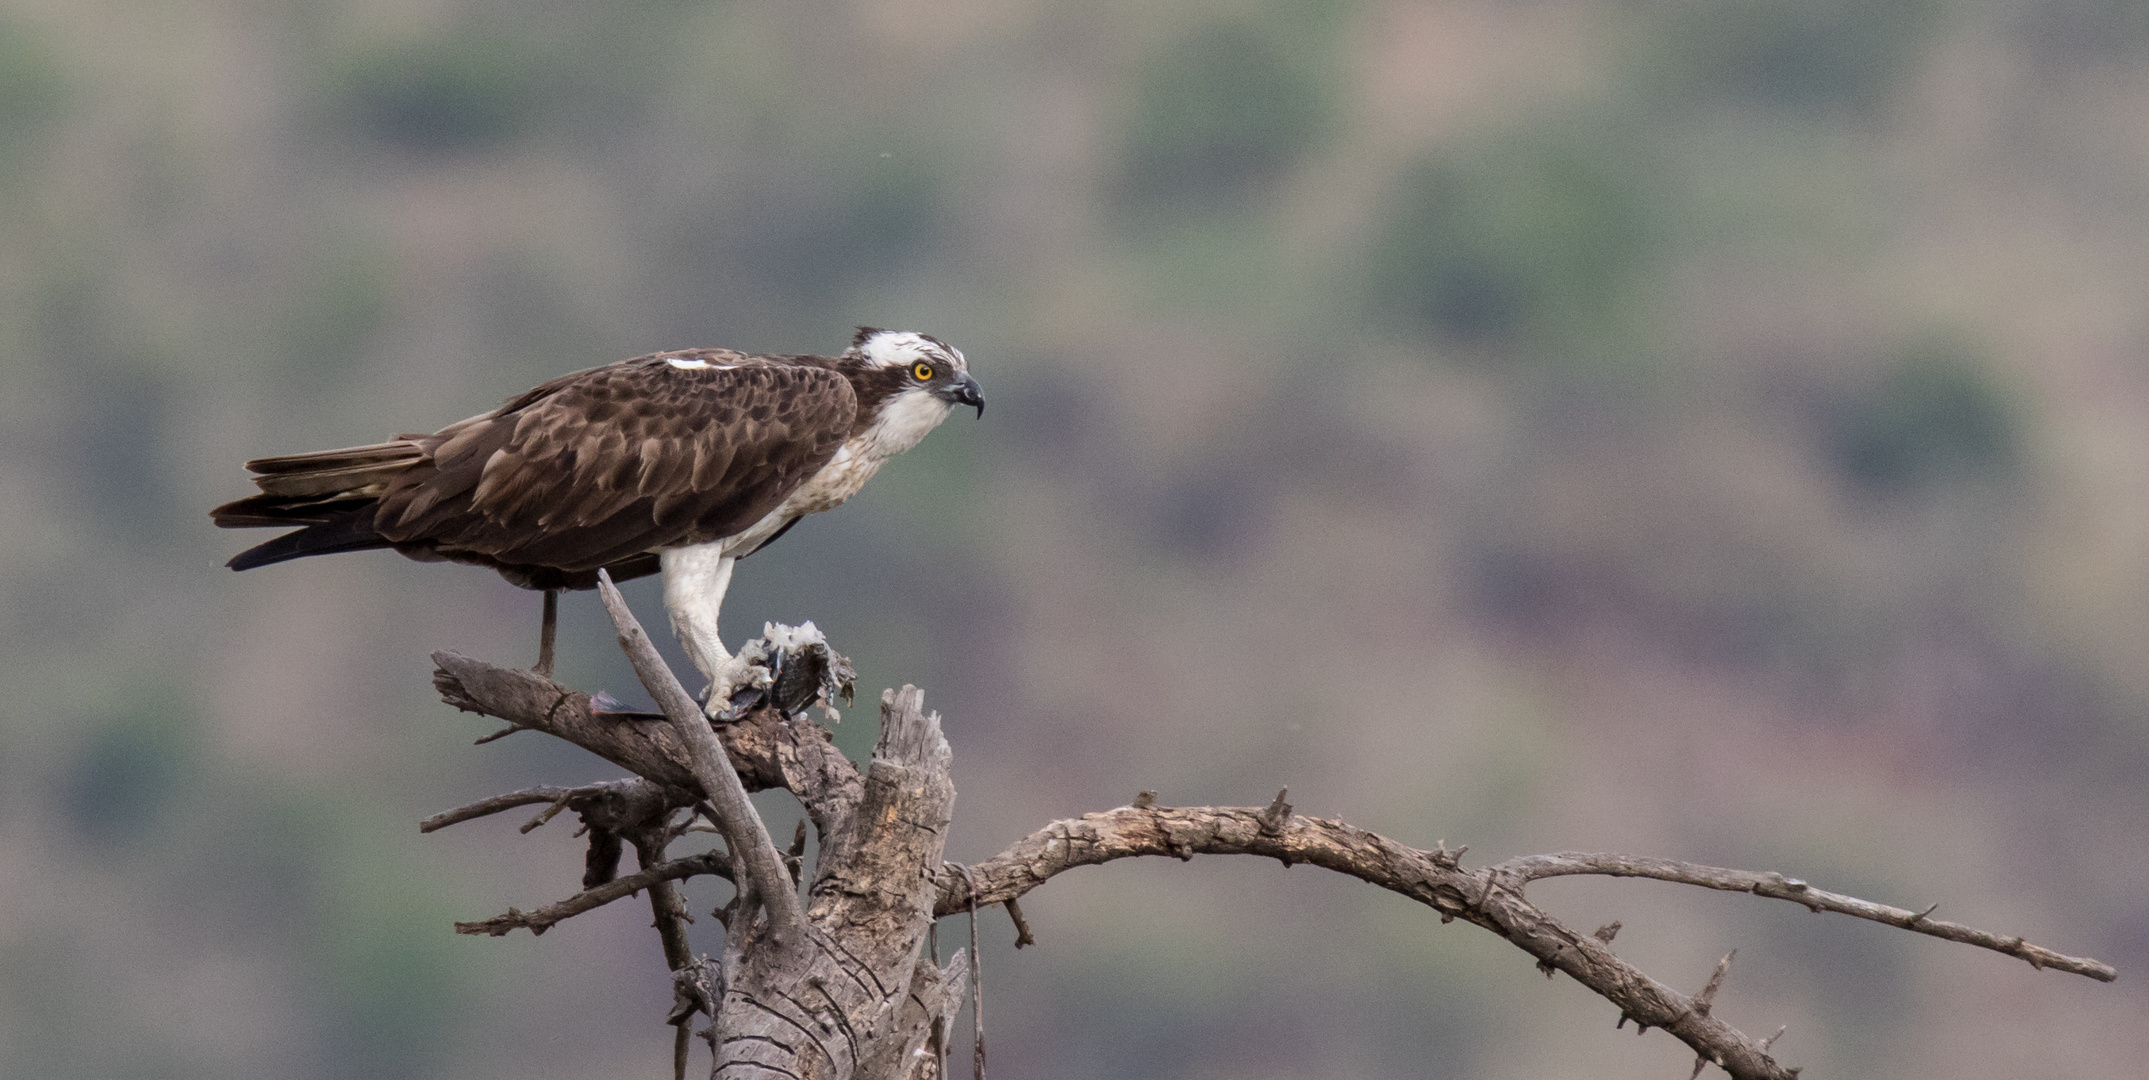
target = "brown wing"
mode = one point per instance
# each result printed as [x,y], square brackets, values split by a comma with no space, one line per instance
[604,464]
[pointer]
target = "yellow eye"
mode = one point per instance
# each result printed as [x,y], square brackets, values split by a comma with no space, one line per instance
[922,372]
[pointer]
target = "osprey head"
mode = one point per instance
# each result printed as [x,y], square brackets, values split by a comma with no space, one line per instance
[924,370]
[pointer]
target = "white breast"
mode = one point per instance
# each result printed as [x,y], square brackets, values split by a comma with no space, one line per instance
[903,422]
[838,480]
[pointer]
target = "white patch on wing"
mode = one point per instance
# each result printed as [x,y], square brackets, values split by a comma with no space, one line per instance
[686,364]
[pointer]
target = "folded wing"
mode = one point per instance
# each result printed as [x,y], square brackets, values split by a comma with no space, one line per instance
[585,471]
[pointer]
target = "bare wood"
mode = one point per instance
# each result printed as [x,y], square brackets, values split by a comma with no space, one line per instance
[854,994]
[647,748]
[1778,887]
[838,1006]
[1023,937]
[666,908]
[1490,897]
[766,752]
[735,814]
[544,918]
[509,801]
[497,735]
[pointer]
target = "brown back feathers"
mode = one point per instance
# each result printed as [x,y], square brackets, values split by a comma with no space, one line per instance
[589,470]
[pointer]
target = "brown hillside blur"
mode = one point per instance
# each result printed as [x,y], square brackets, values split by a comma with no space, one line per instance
[1718,431]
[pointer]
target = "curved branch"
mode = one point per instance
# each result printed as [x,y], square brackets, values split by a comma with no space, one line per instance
[1491,898]
[862,946]
[1776,886]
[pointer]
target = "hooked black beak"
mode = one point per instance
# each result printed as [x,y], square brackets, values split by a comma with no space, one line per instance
[967,392]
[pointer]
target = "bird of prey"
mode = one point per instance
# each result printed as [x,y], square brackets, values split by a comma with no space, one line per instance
[683,461]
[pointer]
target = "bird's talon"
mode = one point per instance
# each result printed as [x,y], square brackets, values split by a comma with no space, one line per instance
[737,685]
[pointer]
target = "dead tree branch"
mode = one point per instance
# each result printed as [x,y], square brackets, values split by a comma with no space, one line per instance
[856,995]
[766,751]
[743,830]
[544,918]
[1776,886]
[1491,898]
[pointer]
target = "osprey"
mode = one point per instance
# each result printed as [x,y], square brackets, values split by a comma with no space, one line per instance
[682,461]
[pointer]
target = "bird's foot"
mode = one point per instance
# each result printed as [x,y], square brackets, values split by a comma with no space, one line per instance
[738,683]
[790,667]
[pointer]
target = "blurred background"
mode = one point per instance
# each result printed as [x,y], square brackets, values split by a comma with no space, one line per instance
[1710,430]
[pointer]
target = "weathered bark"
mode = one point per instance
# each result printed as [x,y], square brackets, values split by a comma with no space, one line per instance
[767,750]
[853,994]
[822,1010]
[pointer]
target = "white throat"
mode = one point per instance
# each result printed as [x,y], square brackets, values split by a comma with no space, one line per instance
[907,418]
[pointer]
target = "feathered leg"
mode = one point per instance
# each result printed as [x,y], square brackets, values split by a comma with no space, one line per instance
[695,580]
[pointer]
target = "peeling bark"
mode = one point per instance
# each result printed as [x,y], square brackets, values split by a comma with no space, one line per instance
[855,995]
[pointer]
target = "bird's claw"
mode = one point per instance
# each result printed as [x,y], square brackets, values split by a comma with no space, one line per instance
[738,684]
[788,668]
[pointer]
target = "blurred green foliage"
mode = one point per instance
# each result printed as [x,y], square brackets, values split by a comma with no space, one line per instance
[803,230]
[1796,54]
[394,969]
[133,764]
[1199,460]
[1221,116]
[335,304]
[460,91]
[1543,240]
[866,217]
[1934,414]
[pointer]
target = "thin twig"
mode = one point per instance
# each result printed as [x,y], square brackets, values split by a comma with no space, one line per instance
[794,859]
[509,801]
[544,918]
[1707,997]
[977,984]
[667,911]
[548,814]
[1022,926]
[1778,887]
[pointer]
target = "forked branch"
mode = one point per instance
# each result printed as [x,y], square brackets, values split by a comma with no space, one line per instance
[749,839]
[1491,897]
[544,918]
[833,1007]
